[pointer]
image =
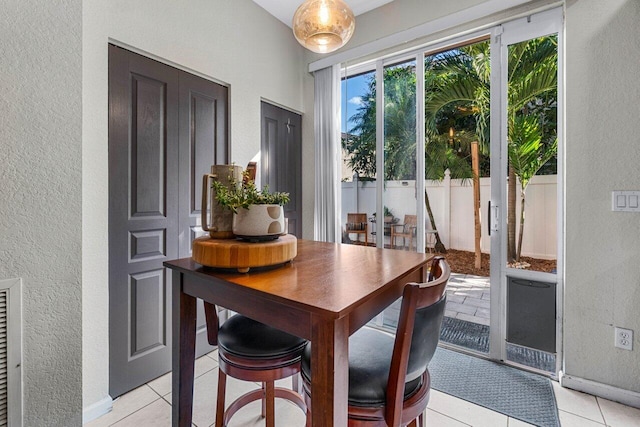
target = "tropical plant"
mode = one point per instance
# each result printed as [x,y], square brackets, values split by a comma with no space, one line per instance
[243,195]
[400,128]
[527,154]
[464,84]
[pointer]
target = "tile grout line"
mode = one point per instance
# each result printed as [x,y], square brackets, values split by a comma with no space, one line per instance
[139,409]
[600,409]
[584,418]
[449,416]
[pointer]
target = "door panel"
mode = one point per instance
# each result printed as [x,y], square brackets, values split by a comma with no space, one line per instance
[526,131]
[281,159]
[162,138]
[399,191]
[203,142]
[147,312]
[143,215]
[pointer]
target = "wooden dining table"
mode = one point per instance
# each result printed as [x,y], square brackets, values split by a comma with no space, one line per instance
[324,295]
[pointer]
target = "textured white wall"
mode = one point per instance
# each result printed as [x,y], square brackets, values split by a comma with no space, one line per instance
[235,42]
[40,197]
[399,15]
[602,287]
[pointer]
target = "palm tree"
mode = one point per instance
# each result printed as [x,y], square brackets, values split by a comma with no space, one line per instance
[400,137]
[464,84]
[527,155]
[400,127]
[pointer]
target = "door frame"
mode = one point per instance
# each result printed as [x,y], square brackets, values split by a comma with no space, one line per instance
[418,57]
[515,31]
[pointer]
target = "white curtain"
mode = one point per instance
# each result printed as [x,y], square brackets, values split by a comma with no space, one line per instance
[327,140]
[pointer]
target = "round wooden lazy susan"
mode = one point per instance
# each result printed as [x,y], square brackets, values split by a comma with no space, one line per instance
[242,255]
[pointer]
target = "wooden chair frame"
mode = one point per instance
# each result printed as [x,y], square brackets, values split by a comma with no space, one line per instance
[408,229]
[397,411]
[265,371]
[358,218]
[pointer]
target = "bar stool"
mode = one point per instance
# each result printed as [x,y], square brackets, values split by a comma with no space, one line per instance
[252,351]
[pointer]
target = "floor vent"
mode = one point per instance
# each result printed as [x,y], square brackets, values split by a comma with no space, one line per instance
[11,352]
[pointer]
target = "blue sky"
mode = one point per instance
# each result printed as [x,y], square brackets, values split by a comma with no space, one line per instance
[352,91]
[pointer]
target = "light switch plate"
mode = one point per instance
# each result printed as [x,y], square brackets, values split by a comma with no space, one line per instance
[625,201]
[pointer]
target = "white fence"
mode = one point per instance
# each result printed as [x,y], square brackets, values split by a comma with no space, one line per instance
[452,206]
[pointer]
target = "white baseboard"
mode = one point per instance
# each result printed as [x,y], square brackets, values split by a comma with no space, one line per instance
[97,409]
[627,397]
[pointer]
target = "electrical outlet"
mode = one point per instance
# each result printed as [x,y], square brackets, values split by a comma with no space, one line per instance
[624,338]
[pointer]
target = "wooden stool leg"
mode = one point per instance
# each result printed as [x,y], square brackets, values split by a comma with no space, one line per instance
[264,400]
[421,420]
[222,385]
[270,399]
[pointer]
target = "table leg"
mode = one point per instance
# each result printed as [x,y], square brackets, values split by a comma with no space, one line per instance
[329,372]
[184,348]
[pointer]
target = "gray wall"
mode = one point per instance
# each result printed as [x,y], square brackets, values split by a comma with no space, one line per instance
[603,247]
[40,197]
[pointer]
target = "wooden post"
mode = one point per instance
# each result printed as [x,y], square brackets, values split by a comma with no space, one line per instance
[475,163]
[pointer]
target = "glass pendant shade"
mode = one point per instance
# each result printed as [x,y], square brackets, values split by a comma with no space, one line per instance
[323,26]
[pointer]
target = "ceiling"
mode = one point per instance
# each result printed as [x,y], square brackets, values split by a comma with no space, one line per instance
[284,9]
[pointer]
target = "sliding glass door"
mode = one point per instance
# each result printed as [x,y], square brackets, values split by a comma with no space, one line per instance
[526,192]
[381,205]
[444,150]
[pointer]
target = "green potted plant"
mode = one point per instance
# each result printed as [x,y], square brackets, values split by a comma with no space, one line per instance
[257,214]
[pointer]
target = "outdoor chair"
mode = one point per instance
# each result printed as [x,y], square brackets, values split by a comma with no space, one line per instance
[406,230]
[389,383]
[252,351]
[357,224]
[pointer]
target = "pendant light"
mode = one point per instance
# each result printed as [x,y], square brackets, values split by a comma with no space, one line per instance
[323,26]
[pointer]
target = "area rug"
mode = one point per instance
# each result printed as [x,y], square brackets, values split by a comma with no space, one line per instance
[513,392]
[470,335]
[474,336]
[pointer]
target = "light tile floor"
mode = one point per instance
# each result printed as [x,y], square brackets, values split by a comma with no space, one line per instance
[150,405]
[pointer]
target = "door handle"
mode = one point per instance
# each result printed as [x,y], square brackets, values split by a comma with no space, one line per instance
[489,217]
[492,220]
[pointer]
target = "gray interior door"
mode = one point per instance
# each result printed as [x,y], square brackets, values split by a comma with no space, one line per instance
[203,142]
[165,129]
[281,159]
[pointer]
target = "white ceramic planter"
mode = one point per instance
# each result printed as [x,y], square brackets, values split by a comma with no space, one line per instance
[259,222]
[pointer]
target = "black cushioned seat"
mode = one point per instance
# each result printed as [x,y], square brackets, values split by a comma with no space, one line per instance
[245,337]
[252,351]
[370,352]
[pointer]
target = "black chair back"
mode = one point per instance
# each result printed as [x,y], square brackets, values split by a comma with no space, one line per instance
[426,334]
